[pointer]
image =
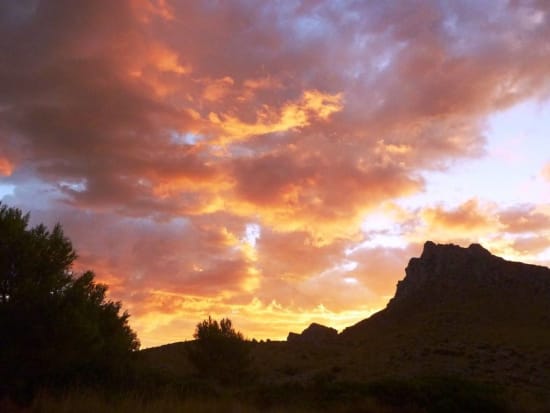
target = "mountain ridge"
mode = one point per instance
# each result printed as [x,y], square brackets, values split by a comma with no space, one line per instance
[447,275]
[458,312]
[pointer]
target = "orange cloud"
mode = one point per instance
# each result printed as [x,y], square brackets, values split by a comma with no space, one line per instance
[172,127]
[524,219]
[380,268]
[292,192]
[262,83]
[298,114]
[517,233]
[256,319]
[156,66]
[168,61]
[217,89]
[468,218]
[531,245]
[147,9]
[6,167]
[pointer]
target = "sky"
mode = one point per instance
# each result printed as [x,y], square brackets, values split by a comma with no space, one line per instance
[274,162]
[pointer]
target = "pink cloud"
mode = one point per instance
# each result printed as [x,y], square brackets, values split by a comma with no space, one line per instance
[168,127]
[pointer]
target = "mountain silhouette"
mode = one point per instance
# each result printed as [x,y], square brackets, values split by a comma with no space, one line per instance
[314,334]
[467,292]
[459,312]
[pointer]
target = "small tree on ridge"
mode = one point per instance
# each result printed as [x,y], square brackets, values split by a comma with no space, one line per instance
[219,351]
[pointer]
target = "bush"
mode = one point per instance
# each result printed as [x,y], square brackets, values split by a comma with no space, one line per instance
[219,351]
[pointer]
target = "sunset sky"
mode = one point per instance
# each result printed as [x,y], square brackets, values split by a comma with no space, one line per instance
[275,162]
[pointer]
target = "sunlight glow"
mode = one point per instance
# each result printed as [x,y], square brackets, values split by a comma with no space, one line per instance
[278,162]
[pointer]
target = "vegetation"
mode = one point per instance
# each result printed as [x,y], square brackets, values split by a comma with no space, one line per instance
[64,347]
[219,351]
[427,395]
[57,327]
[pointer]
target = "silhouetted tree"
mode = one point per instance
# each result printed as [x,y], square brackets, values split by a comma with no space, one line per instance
[219,351]
[55,326]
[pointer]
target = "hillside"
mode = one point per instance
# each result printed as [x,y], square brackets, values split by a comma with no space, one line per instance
[459,312]
[464,311]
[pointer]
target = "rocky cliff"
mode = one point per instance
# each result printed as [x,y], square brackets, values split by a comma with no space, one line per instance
[465,286]
[447,271]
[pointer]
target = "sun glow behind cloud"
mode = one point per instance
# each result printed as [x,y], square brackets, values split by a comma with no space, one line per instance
[278,163]
[298,114]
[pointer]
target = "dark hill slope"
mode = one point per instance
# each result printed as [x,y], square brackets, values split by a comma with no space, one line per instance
[459,312]
[462,311]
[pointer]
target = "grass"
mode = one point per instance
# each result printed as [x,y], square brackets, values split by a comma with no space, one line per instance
[427,395]
[93,402]
[90,402]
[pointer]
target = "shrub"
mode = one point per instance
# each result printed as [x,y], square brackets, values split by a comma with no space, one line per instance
[219,351]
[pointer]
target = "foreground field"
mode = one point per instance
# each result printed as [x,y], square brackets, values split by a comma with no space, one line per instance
[429,395]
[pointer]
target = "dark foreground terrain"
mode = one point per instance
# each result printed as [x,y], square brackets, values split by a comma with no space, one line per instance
[464,327]
[466,331]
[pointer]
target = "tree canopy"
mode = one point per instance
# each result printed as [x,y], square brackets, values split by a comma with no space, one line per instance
[219,351]
[57,326]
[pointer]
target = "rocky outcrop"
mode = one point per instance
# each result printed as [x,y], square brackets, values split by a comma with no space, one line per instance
[468,288]
[447,270]
[314,334]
